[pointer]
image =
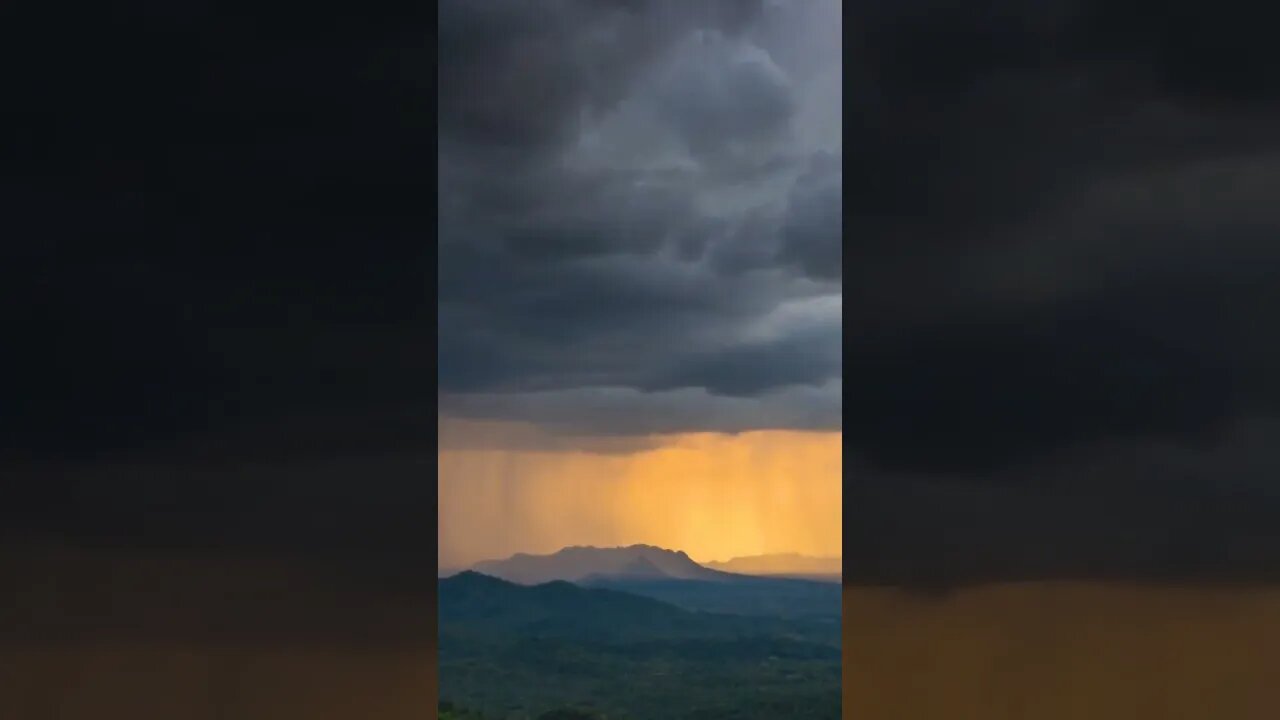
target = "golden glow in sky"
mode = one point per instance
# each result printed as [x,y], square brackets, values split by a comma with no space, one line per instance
[714,496]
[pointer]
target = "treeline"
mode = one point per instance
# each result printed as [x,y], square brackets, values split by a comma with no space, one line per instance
[449,711]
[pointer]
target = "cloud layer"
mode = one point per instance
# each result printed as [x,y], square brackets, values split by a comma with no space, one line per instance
[1060,224]
[639,215]
[1060,233]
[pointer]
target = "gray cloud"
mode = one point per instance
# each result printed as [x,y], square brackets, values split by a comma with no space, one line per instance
[630,194]
[619,411]
[1060,236]
[812,234]
[1058,231]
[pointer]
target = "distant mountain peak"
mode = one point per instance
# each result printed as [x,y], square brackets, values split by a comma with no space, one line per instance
[578,562]
[642,567]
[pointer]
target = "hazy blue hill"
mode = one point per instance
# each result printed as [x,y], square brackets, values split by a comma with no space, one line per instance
[484,605]
[781,564]
[820,577]
[480,606]
[672,577]
[476,596]
[741,595]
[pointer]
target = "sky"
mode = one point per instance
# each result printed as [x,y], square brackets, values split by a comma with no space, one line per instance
[218,313]
[720,496]
[639,268]
[216,446]
[1057,353]
[217,295]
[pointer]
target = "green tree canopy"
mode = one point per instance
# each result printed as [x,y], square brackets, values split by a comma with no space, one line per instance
[570,714]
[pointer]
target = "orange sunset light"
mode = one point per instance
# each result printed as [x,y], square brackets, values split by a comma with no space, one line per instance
[715,496]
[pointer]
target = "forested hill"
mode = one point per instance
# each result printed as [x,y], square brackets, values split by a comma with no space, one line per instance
[517,651]
[480,606]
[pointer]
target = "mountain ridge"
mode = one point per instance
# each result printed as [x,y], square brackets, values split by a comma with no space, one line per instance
[672,577]
[486,604]
[581,562]
[780,564]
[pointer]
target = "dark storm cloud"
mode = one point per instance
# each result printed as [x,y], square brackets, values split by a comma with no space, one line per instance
[628,193]
[1221,54]
[1061,227]
[812,234]
[589,416]
[215,238]
[804,356]
[1057,230]
[965,398]
[516,74]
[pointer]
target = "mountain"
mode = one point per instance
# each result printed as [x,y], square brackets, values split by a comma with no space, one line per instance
[480,605]
[671,577]
[787,564]
[642,568]
[512,650]
[738,594]
[491,604]
[579,563]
